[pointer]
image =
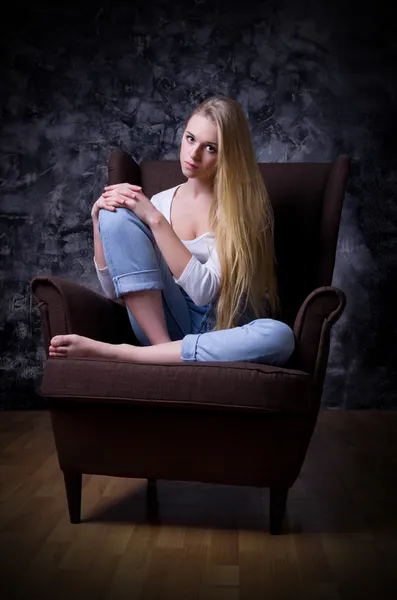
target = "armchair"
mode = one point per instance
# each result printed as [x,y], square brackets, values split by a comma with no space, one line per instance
[231,423]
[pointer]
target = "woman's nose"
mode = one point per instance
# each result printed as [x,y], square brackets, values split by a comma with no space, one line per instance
[194,152]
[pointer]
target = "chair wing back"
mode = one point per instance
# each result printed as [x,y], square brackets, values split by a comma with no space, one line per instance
[307,201]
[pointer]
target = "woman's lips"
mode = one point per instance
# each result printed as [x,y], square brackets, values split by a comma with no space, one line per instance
[190,165]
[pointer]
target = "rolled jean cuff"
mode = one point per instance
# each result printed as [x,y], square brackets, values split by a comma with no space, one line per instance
[138,281]
[189,347]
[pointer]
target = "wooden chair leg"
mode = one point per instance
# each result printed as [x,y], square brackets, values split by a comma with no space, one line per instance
[152,512]
[73,483]
[278,502]
[152,486]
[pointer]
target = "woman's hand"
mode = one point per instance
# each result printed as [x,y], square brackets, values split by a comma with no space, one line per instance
[108,203]
[126,195]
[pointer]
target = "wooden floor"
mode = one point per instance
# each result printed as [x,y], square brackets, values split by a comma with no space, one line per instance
[339,540]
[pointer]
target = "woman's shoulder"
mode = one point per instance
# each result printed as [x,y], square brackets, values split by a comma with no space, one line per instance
[164,196]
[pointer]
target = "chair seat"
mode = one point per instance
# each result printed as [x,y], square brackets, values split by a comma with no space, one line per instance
[218,385]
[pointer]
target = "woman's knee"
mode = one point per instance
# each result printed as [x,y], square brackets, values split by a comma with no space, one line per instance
[120,221]
[278,338]
[112,220]
[286,341]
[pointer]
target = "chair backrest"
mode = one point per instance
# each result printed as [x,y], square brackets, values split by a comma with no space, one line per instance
[307,201]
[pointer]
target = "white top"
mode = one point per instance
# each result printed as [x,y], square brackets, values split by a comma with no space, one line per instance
[201,276]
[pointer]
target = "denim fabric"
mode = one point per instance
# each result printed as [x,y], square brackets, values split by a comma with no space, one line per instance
[264,341]
[136,263]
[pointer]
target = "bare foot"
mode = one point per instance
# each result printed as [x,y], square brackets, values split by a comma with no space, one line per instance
[77,346]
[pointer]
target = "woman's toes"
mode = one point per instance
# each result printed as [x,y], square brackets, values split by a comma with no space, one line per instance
[58,340]
[69,339]
[55,351]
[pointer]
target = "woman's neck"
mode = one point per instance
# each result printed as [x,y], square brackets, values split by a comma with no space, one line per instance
[199,188]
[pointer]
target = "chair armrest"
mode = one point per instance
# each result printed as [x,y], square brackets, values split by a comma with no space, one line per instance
[312,328]
[68,307]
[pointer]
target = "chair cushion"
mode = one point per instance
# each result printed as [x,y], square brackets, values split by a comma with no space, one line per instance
[220,385]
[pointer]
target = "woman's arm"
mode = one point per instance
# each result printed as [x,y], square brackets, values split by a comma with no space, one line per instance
[101,268]
[100,260]
[200,280]
[99,255]
[175,253]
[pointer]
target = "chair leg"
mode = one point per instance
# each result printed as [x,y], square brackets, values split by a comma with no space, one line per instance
[152,512]
[278,501]
[73,483]
[152,486]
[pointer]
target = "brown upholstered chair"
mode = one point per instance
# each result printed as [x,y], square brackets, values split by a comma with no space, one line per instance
[230,423]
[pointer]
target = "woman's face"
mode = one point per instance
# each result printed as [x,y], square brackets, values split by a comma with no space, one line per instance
[199,149]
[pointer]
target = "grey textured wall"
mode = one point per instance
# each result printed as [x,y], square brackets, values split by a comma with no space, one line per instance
[316,79]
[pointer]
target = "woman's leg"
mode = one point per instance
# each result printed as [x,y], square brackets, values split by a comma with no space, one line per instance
[156,308]
[146,307]
[265,341]
[78,346]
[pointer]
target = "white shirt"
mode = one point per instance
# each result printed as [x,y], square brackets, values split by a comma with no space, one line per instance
[201,276]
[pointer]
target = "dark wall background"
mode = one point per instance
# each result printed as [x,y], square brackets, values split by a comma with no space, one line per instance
[315,79]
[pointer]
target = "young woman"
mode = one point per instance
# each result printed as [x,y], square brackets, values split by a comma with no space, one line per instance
[195,265]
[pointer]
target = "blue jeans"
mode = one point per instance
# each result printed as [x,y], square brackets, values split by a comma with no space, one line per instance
[135,263]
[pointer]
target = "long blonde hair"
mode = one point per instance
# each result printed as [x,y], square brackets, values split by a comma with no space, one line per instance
[241,218]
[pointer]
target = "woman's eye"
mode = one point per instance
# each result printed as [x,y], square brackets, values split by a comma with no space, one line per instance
[191,139]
